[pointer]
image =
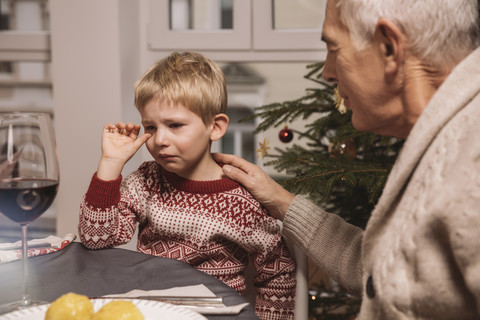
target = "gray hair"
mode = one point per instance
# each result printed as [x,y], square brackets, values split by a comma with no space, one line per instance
[438,31]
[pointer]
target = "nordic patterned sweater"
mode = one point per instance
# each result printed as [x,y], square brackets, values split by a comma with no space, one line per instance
[215,226]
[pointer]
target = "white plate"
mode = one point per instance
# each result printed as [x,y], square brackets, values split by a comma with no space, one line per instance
[151,310]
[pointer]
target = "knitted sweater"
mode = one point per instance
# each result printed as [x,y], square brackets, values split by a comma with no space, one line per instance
[215,226]
[419,257]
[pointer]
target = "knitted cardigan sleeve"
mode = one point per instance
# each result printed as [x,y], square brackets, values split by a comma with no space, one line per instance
[102,224]
[332,243]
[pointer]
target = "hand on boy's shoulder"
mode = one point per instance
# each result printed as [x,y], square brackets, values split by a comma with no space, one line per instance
[268,192]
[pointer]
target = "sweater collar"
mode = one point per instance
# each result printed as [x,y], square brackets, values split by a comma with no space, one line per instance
[453,95]
[197,186]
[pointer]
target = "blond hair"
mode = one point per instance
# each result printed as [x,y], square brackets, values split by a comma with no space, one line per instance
[186,78]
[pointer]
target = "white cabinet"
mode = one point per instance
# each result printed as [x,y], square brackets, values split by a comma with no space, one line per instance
[258,30]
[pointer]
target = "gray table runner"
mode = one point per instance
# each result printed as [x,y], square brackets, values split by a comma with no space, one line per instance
[108,271]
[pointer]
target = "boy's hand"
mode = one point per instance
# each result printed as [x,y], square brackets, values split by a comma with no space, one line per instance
[120,142]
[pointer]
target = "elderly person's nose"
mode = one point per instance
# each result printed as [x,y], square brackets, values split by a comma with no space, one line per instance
[329,69]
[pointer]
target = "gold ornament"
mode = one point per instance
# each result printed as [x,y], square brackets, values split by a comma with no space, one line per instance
[263,149]
[339,102]
[346,149]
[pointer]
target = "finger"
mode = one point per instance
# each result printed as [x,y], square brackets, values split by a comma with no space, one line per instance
[238,175]
[132,131]
[129,127]
[135,131]
[109,128]
[221,157]
[142,139]
[120,126]
[240,163]
[232,160]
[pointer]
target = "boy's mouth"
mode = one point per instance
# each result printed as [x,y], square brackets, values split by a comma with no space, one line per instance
[166,156]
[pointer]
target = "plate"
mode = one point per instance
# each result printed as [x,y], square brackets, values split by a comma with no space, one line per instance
[151,310]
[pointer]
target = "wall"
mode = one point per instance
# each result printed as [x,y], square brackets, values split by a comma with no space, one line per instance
[99,49]
[95,57]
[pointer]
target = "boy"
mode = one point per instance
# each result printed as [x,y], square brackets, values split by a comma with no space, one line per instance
[185,208]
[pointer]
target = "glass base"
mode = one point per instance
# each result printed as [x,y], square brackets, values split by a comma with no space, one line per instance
[19,305]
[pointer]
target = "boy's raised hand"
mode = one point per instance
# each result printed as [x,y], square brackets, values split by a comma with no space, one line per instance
[120,142]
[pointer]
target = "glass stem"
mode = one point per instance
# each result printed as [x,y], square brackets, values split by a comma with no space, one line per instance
[25,297]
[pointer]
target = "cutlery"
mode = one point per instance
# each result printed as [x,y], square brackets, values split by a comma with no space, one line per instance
[178,300]
[48,242]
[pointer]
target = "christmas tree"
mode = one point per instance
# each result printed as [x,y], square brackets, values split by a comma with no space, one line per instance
[340,168]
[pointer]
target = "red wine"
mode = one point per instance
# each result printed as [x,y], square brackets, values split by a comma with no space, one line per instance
[24,200]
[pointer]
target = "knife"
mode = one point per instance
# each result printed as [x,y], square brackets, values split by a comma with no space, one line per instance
[48,242]
[178,300]
[18,246]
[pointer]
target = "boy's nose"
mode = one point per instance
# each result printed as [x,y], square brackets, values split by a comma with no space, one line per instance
[160,138]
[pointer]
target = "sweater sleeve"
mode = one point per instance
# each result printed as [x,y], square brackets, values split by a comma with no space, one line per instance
[333,244]
[456,204]
[275,280]
[105,221]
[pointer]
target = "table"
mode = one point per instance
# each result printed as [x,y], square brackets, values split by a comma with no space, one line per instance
[109,271]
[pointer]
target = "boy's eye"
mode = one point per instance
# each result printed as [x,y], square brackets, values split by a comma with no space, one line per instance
[149,128]
[175,125]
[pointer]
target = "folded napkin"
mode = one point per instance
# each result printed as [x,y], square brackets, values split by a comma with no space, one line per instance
[13,251]
[187,291]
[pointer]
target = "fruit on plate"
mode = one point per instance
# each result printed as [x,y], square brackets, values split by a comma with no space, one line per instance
[70,306]
[118,310]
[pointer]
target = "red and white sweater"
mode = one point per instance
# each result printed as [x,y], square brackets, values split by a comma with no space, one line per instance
[215,226]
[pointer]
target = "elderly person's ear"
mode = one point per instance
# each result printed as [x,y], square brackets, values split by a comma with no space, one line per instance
[392,44]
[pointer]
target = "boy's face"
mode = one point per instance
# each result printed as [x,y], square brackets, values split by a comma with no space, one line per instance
[180,140]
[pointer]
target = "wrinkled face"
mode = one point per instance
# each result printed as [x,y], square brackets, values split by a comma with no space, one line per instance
[360,77]
[180,140]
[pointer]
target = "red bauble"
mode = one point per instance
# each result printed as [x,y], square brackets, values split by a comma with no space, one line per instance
[285,135]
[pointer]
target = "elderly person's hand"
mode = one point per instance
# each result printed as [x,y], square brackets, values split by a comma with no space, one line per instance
[269,193]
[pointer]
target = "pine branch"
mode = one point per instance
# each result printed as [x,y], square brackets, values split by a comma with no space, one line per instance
[317,170]
[341,169]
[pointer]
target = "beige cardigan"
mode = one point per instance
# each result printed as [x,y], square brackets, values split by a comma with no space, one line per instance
[419,257]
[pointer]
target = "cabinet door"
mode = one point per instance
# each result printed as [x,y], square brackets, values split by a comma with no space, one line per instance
[197,24]
[238,30]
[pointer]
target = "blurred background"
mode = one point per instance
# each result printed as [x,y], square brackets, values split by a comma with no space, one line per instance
[78,61]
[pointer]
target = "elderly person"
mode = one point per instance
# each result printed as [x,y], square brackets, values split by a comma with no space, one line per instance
[408,69]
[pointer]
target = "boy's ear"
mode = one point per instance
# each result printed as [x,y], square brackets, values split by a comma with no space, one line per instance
[220,124]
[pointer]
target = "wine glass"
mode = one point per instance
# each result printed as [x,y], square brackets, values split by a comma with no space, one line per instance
[29,177]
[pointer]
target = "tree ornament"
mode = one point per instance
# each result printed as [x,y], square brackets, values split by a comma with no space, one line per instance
[339,105]
[344,149]
[285,135]
[263,148]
